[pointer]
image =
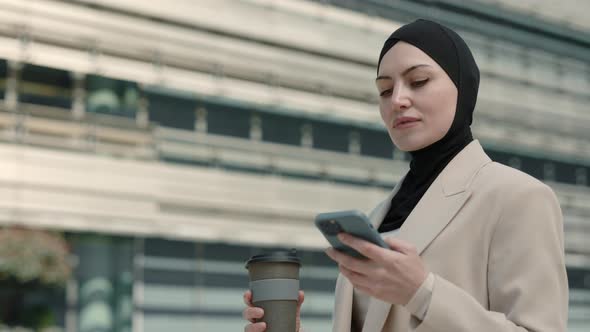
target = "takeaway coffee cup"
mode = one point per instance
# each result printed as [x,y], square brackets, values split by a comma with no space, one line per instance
[274,282]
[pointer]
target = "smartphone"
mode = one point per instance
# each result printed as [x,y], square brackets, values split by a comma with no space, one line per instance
[352,222]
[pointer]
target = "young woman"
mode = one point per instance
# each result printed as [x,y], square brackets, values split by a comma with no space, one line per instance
[475,245]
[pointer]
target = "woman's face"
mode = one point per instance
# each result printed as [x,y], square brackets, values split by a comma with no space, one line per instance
[411,85]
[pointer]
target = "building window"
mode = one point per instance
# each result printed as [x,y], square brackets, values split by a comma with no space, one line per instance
[354,143]
[281,129]
[582,176]
[565,172]
[255,127]
[376,143]
[3,77]
[201,123]
[329,136]
[45,86]
[171,110]
[228,120]
[105,276]
[549,172]
[112,97]
[307,135]
[515,162]
[536,167]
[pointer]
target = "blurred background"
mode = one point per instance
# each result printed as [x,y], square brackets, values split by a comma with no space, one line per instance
[148,148]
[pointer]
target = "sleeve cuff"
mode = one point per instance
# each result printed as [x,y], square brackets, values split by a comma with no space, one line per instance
[419,303]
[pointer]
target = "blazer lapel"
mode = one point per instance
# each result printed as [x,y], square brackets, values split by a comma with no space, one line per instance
[427,220]
[342,316]
[441,202]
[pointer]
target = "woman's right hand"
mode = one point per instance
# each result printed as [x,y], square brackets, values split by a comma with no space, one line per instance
[252,313]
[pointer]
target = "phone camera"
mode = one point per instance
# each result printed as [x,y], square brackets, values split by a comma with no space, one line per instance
[331,228]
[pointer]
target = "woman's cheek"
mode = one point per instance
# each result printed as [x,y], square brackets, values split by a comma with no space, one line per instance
[384,115]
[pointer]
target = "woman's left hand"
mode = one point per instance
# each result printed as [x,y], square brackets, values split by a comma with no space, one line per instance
[392,276]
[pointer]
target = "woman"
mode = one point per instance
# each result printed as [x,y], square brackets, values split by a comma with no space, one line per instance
[475,245]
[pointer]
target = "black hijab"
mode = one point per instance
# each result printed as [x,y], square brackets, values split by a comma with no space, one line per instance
[450,51]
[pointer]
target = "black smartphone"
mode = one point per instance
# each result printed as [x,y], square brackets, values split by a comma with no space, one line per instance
[352,222]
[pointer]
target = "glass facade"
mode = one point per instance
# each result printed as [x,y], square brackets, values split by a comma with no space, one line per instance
[228,119]
[329,136]
[376,144]
[189,285]
[45,86]
[281,129]
[183,285]
[52,87]
[170,110]
[130,282]
[105,278]
[111,97]
[3,77]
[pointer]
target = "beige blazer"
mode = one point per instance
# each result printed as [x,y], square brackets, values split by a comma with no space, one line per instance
[493,238]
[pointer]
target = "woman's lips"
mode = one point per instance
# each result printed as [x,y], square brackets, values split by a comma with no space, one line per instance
[407,124]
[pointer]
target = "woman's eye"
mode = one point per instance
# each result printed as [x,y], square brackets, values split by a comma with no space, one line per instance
[417,84]
[385,92]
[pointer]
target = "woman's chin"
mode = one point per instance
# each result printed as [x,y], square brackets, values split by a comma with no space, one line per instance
[417,141]
[410,146]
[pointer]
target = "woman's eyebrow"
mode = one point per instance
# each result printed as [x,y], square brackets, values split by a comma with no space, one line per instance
[405,72]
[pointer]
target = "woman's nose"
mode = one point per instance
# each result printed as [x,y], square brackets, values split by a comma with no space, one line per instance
[399,99]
